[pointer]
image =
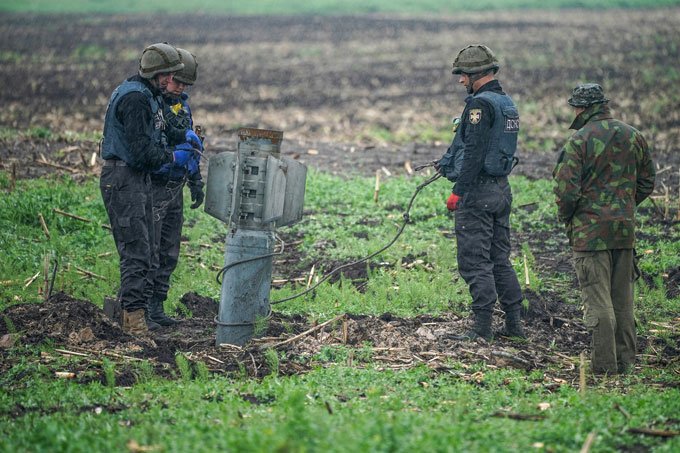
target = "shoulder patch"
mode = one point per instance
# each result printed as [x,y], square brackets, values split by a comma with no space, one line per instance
[475,116]
[176,108]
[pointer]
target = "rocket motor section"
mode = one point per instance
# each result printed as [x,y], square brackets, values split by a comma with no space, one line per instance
[254,187]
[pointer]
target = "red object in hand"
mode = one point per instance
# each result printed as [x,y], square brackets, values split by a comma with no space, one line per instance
[452,202]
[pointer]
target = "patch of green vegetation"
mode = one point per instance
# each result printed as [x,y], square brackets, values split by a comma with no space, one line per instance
[293,7]
[88,52]
[45,133]
[337,408]
[7,56]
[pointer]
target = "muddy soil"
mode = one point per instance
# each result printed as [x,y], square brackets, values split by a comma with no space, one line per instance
[79,328]
[353,95]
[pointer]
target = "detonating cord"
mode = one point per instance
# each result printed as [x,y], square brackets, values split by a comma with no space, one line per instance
[406,218]
[221,272]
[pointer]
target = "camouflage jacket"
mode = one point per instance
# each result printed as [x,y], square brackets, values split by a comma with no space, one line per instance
[604,171]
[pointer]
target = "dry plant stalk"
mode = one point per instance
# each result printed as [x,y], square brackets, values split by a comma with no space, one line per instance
[311,275]
[308,331]
[13,178]
[43,224]
[89,273]
[589,442]
[376,192]
[527,282]
[73,216]
[582,373]
[31,280]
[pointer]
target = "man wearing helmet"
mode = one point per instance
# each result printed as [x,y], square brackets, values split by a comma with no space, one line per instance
[167,184]
[604,171]
[478,162]
[134,144]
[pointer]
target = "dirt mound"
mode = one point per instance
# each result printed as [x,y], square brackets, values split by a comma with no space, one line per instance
[672,283]
[81,326]
[199,306]
[62,320]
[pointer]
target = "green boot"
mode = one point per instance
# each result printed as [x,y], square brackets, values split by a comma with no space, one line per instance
[513,326]
[481,328]
[157,315]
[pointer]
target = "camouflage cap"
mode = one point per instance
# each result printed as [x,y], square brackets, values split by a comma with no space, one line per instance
[587,94]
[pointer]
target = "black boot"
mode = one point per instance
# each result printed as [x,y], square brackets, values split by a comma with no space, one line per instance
[157,315]
[150,323]
[513,326]
[481,328]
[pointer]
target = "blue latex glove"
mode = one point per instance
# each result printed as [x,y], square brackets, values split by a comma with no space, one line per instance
[182,156]
[192,167]
[192,138]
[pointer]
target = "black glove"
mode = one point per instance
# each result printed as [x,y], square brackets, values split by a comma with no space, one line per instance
[197,195]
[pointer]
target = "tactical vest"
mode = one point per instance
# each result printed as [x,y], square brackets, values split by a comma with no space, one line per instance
[500,156]
[115,145]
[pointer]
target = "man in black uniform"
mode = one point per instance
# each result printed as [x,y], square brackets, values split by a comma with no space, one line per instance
[167,185]
[134,144]
[478,161]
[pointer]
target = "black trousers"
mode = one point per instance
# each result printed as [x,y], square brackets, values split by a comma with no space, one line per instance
[128,201]
[483,242]
[168,216]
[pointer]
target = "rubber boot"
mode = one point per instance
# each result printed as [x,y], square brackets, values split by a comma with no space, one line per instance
[157,315]
[513,326]
[134,323]
[481,328]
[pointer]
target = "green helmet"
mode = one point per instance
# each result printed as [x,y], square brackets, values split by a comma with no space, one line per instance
[189,73]
[159,58]
[474,59]
[587,94]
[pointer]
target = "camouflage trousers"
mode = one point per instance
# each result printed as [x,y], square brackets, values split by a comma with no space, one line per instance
[483,243]
[128,201]
[168,212]
[606,279]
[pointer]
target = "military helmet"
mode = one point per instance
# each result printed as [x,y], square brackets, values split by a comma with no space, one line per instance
[587,94]
[189,73]
[474,59]
[159,58]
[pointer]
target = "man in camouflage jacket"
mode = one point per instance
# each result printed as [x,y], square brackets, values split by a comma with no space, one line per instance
[604,171]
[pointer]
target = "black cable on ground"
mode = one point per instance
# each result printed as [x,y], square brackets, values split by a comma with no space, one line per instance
[406,217]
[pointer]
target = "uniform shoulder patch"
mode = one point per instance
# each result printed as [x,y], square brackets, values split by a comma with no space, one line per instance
[176,108]
[475,116]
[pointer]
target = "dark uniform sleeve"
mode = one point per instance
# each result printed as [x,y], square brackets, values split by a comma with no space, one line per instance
[175,135]
[645,170]
[134,112]
[477,121]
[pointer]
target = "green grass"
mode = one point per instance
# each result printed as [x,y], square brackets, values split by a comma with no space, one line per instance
[335,407]
[343,224]
[291,7]
[45,133]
